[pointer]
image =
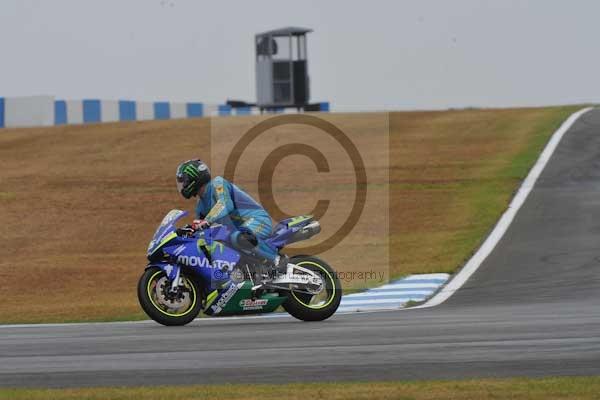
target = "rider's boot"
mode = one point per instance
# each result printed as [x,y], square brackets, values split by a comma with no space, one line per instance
[270,269]
[273,264]
[280,264]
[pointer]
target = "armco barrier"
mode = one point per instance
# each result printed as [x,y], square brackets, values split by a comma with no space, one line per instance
[45,110]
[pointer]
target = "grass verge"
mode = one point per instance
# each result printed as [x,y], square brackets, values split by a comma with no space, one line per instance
[573,388]
[454,177]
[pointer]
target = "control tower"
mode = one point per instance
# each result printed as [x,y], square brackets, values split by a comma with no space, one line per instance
[282,69]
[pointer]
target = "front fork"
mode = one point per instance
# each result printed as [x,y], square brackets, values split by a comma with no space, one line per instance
[173,272]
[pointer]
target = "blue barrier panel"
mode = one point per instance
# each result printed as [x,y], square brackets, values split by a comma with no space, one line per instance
[1,112]
[324,106]
[162,110]
[127,110]
[60,112]
[243,111]
[91,111]
[224,109]
[195,110]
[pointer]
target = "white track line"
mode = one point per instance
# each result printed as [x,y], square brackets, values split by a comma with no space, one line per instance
[506,219]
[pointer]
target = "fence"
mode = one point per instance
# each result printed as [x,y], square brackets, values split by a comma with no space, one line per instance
[47,111]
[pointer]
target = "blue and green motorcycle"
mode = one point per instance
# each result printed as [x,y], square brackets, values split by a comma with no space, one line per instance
[201,271]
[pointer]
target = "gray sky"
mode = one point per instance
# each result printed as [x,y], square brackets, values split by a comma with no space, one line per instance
[420,54]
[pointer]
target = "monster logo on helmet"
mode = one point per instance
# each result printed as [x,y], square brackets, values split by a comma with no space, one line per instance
[191,176]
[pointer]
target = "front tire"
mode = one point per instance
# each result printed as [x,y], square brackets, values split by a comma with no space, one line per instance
[154,298]
[318,307]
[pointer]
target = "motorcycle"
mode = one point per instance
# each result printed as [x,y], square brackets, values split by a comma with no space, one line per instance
[202,271]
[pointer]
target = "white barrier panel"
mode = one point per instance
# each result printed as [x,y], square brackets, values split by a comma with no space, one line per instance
[28,111]
[144,110]
[74,112]
[178,110]
[110,110]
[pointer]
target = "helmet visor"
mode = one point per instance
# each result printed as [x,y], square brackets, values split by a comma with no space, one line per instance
[182,182]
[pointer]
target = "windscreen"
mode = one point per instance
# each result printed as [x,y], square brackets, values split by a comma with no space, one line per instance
[167,225]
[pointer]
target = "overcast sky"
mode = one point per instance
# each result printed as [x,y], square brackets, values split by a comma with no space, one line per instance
[420,54]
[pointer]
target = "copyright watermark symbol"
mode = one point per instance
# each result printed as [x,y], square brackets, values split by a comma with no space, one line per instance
[333,167]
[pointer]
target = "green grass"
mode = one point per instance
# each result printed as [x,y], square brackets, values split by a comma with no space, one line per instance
[572,388]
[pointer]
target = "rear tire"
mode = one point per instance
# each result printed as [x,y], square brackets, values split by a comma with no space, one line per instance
[302,305]
[151,287]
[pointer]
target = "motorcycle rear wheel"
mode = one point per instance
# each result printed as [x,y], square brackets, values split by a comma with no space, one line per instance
[318,307]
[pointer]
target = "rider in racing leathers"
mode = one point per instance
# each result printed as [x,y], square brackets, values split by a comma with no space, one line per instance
[220,201]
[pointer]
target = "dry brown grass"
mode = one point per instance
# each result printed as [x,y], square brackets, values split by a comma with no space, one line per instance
[453,174]
[78,203]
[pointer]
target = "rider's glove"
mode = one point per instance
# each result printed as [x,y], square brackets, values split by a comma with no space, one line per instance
[198,224]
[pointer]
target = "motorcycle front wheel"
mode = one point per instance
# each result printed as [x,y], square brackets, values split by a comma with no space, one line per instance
[164,307]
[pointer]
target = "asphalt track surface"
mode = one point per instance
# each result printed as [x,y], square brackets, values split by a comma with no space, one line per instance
[532,309]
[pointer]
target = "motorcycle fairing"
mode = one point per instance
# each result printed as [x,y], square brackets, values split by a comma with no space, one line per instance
[171,270]
[237,299]
[287,228]
[165,231]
